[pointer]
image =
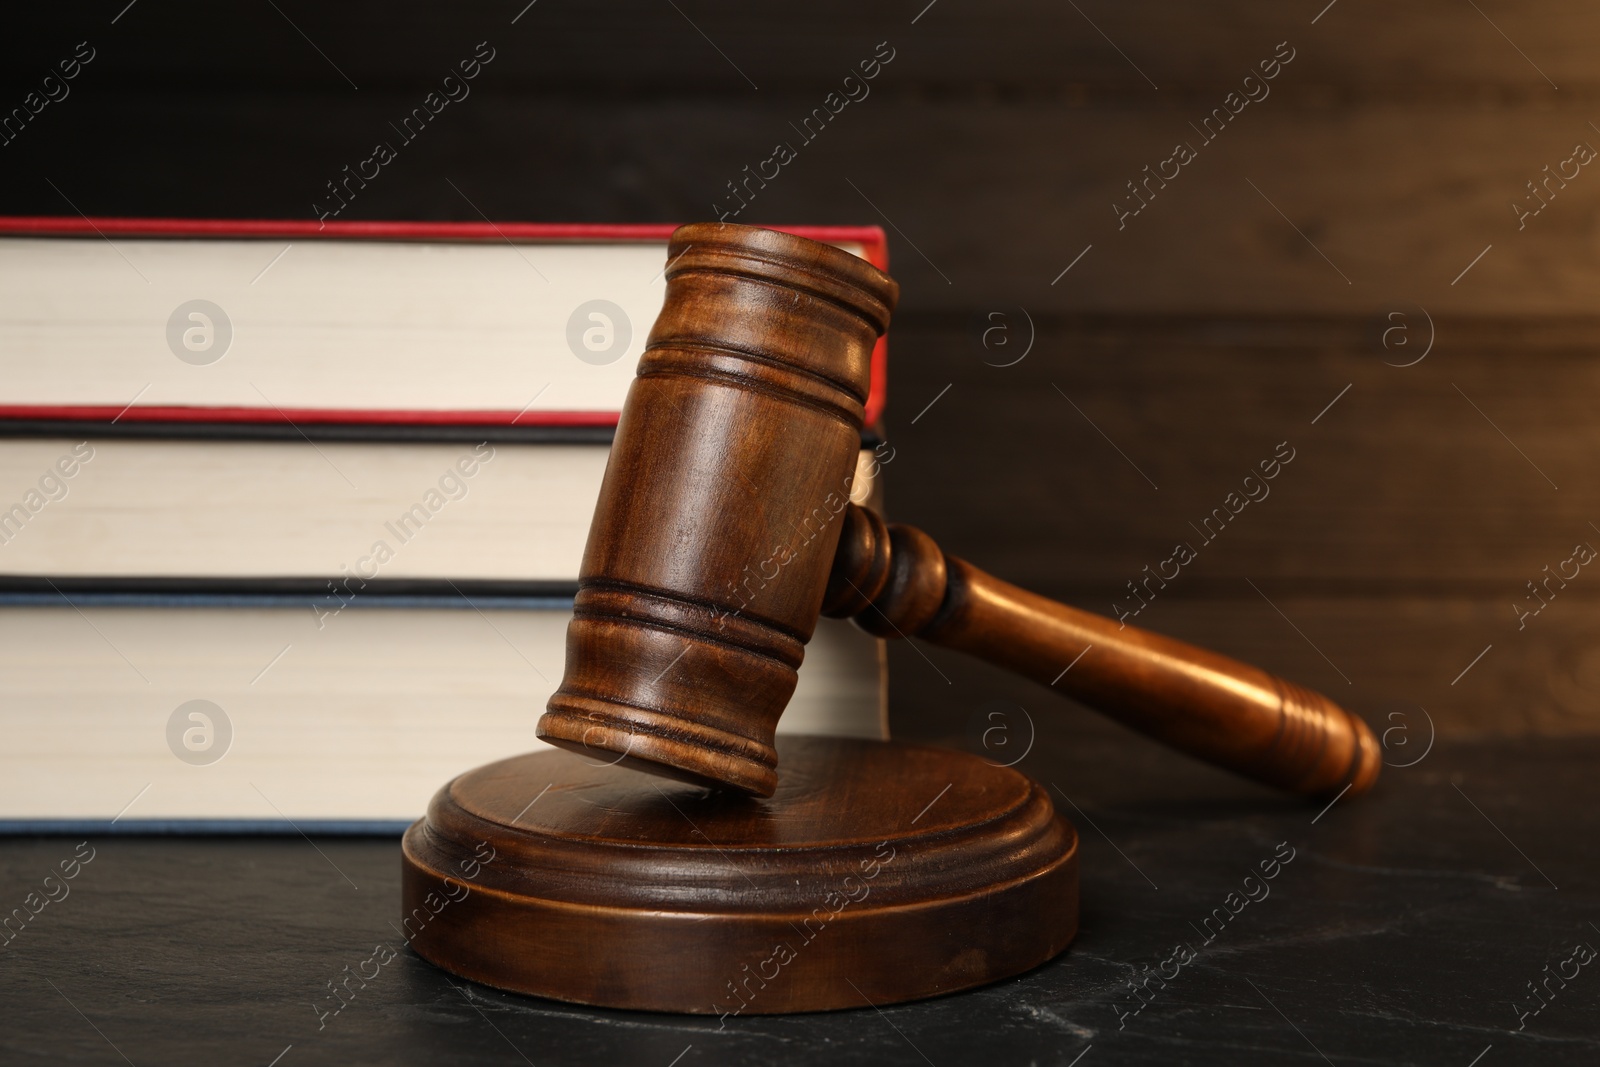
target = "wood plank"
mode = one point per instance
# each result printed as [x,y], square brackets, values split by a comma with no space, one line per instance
[1317,210]
[643,48]
[1038,472]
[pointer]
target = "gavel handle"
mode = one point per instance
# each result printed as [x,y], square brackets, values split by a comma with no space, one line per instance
[896,582]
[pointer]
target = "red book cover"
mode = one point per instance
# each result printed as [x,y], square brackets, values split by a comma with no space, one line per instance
[871,239]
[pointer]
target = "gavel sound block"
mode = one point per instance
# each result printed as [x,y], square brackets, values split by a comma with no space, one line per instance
[867,872]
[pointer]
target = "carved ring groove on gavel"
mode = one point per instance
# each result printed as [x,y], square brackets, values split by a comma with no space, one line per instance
[734,456]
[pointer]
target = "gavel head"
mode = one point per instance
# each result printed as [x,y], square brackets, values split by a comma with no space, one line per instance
[721,507]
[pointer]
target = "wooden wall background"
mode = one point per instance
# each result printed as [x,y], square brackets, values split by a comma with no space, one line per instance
[1222,320]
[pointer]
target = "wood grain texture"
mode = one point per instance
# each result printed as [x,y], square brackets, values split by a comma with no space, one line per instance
[896,582]
[1419,481]
[735,454]
[1196,339]
[877,871]
[642,48]
[1298,207]
[717,519]
[991,143]
[1406,664]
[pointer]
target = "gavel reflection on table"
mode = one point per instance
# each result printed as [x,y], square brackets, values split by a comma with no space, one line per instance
[796,874]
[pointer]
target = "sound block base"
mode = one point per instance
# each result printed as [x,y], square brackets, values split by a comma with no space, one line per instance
[878,872]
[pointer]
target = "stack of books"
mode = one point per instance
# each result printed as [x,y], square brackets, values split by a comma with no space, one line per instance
[291,515]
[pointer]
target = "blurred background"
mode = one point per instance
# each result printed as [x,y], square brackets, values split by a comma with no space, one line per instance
[1381,260]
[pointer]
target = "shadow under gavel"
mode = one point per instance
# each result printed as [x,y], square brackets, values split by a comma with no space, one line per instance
[723,530]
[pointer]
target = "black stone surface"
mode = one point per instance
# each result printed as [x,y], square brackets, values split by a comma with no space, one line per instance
[1404,931]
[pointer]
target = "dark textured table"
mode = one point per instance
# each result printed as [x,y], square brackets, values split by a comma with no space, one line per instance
[1405,929]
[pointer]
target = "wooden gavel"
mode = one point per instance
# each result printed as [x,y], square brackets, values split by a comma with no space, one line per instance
[724,529]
